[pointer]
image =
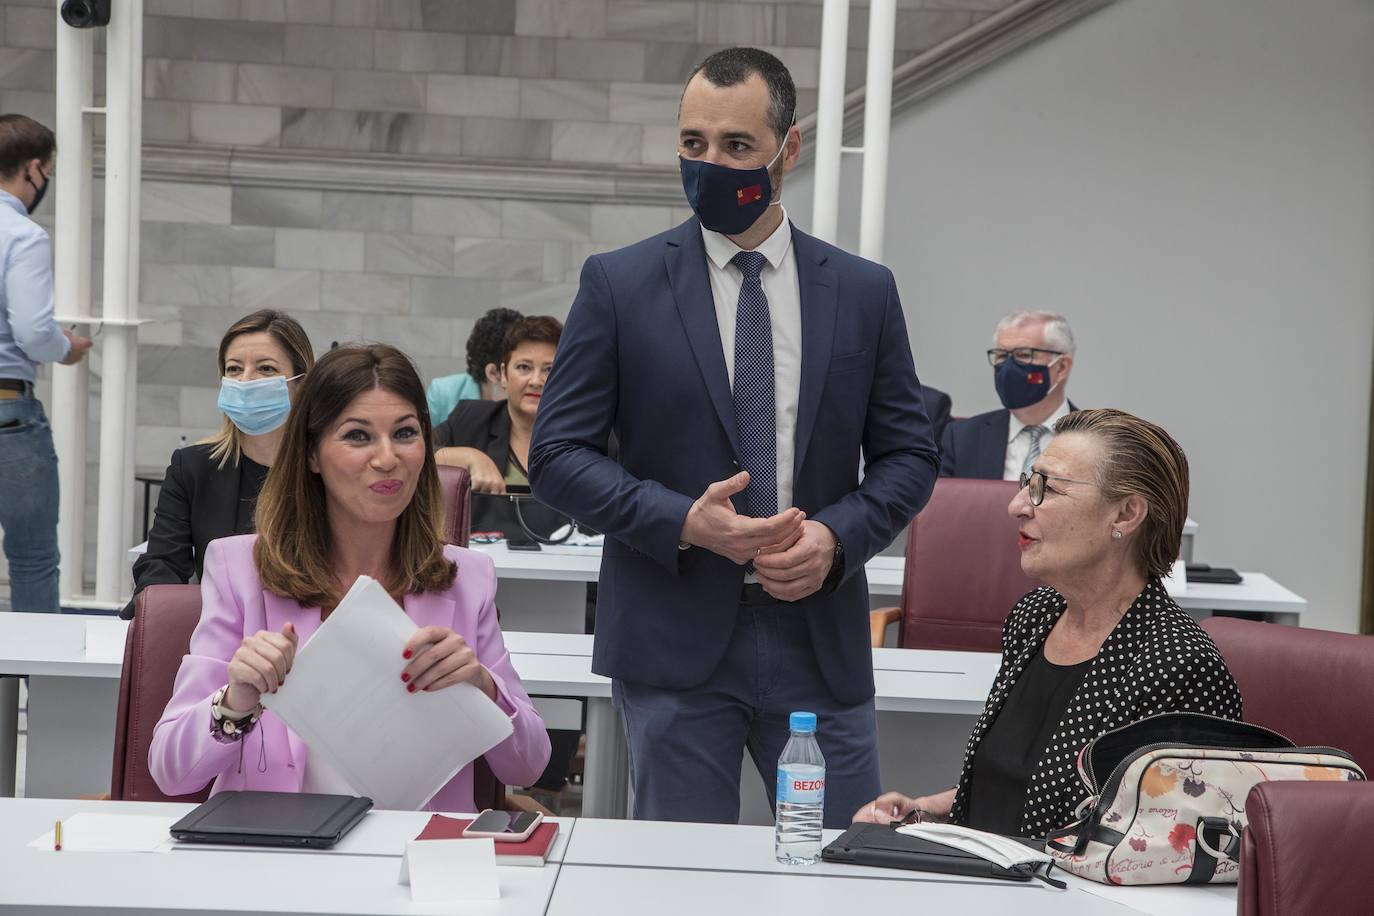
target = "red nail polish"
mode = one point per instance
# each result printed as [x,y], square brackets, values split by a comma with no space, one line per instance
[405,654]
[405,676]
[410,687]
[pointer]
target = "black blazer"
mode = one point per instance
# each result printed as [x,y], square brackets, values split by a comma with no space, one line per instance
[977,446]
[1156,660]
[938,406]
[486,425]
[198,503]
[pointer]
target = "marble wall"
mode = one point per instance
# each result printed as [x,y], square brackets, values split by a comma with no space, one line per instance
[591,84]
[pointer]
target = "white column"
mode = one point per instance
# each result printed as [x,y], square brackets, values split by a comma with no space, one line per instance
[825,215]
[123,94]
[882,17]
[72,289]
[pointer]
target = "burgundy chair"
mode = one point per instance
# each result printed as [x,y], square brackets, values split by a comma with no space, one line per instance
[1307,848]
[963,570]
[159,636]
[1312,686]
[456,487]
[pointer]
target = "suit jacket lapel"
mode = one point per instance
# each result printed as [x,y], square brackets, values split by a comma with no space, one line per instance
[992,445]
[819,289]
[686,262]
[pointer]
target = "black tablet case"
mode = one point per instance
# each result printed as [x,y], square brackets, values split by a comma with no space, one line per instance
[272,819]
[884,847]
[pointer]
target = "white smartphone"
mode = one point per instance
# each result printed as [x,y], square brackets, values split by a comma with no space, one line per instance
[504,826]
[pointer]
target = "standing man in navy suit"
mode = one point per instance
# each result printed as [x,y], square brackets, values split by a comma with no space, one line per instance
[1031,357]
[746,370]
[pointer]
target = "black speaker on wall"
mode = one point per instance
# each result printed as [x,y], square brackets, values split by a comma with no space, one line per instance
[86,14]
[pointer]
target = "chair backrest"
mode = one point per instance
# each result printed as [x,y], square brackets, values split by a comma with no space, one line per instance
[1307,848]
[1312,686]
[456,487]
[159,636]
[963,568]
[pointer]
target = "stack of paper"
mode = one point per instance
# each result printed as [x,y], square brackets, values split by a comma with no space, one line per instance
[345,699]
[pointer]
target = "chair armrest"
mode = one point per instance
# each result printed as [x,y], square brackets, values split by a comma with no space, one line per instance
[879,621]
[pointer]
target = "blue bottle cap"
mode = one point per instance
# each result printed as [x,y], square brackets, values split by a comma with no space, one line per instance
[802,722]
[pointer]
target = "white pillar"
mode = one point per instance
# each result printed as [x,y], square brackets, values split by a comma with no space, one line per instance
[877,127]
[825,216]
[72,289]
[124,81]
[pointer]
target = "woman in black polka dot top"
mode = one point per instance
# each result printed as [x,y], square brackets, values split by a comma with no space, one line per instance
[1101,515]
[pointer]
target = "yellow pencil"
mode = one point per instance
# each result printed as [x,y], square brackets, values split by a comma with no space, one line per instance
[57,837]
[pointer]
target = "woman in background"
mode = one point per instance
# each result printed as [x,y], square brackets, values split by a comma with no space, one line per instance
[211,488]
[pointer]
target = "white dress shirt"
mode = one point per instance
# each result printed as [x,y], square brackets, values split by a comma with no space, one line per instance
[1018,441]
[29,335]
[780,285]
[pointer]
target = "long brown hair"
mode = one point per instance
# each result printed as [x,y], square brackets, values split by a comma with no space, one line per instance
[1140,459]
[293,550]
[287,332]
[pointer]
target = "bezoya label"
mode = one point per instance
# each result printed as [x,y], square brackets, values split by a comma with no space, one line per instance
[804,788]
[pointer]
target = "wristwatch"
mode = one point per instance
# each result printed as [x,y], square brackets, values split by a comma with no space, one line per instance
[228,725]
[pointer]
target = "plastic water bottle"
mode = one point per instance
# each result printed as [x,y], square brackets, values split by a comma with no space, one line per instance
[801,794]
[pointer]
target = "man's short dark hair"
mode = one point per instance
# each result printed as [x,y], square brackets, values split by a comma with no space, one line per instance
[735,65]
[22,140]
[486,339]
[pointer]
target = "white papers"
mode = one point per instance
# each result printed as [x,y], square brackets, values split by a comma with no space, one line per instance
[439,871]
[345,698]
[105,638]
[111,833]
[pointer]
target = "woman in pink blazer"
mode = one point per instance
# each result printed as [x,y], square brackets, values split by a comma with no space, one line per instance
[354,491]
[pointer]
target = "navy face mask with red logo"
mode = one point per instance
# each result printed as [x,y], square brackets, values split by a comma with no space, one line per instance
[1020,385]
[727,200]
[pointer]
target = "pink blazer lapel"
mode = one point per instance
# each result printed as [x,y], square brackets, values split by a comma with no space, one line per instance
[430,609]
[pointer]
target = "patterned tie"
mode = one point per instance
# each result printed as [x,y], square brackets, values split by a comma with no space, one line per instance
[755,412]
[1035,432]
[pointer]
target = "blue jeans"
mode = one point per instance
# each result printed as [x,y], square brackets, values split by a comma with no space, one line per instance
[685,745]
[28,503]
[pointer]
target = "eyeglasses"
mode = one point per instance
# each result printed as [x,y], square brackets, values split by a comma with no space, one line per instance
[1036,481]
[1023,355]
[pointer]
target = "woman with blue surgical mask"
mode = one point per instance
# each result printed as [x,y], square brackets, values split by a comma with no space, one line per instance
[211,488]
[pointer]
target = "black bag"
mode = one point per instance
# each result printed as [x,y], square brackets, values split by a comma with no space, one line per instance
[882,846]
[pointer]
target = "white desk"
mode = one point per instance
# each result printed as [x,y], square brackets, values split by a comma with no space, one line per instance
[712,862]
[72,699]
[357,877]
[1257,594]
[597,867]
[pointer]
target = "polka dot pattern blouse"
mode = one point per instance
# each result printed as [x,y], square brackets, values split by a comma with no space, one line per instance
[1156,660]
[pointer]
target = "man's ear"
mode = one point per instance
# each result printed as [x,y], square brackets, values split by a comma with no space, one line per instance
[1062,369]
[791,149]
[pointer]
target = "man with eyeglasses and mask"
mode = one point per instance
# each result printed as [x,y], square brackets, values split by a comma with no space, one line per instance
[29,335]
[747,370]
[1031,358]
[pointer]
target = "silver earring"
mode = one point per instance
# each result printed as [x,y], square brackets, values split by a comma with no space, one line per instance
[1116,535]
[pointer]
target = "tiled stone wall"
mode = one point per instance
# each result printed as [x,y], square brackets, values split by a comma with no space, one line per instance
[590,82]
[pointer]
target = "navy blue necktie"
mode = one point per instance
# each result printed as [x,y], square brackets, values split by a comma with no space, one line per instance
[756,421]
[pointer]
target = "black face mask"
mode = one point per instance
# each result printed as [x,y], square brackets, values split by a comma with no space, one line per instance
[39,193]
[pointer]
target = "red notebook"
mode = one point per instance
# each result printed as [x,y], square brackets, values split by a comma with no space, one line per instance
[534,851]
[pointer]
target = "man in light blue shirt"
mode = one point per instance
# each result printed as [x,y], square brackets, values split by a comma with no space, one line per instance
[29,335]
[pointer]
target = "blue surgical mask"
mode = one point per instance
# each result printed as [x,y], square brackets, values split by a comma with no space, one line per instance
[727,200]
[255,407]
[1019,385]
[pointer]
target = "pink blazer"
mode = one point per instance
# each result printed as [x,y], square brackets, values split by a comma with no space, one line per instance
[183,756]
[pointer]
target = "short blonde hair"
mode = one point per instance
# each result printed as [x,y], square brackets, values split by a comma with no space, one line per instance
[1140,459]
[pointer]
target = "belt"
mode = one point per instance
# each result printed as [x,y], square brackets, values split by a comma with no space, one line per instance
[13,384]
[753,595]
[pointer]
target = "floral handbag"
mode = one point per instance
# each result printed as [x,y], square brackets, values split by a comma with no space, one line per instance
[1172,806]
